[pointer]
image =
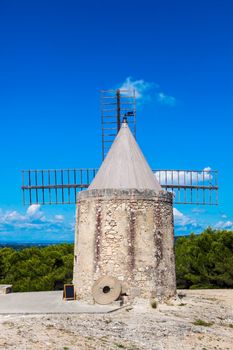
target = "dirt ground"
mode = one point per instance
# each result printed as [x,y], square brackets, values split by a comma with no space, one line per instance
[203,319]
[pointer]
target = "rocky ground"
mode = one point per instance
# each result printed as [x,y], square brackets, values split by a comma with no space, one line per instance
[203,319]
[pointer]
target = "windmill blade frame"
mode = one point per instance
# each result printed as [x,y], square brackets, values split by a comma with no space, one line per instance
[61,186]
[115,106]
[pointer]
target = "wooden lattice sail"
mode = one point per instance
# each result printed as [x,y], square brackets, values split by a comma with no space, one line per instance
[60,186]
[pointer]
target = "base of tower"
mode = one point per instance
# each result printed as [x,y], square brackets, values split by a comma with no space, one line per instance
[126,235]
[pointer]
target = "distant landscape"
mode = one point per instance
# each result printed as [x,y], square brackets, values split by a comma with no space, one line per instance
[202,261]
[20,246]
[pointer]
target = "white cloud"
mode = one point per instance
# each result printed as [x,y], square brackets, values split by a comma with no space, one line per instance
[198,210]
[59,217]
[184,223]
[141,87]
[33,225]
[183,177]
[34,213]
[180,218]
[32,209]
[147,91]
[228,225]
[166,99]
[11,216]
[177,213]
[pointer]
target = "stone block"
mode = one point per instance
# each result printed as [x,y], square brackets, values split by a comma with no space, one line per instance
[6,288]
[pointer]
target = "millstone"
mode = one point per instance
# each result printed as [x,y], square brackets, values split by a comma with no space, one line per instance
[106,290]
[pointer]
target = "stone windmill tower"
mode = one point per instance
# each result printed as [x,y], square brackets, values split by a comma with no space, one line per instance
[124,229]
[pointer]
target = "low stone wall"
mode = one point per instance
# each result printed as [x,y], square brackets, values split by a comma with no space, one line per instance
[6,288]
[127,234]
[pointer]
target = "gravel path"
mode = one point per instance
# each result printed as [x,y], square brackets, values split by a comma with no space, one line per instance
[169,326]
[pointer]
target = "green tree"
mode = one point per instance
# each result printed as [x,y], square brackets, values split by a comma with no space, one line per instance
[205,260]
[37,269]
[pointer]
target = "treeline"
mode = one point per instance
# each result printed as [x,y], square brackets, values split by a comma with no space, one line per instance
[37,269]
[202,261]
[205,260]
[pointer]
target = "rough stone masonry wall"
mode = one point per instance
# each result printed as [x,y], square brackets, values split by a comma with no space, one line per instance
[127,234]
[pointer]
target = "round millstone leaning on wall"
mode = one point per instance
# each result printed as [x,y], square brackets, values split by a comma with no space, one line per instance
[128,235]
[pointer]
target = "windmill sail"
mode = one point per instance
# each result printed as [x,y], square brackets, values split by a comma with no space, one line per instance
[115,106]
[60,186]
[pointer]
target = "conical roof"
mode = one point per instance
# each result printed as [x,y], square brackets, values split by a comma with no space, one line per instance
[125,166]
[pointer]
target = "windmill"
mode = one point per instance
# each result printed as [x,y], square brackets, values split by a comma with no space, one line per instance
[60,186]
[124,221]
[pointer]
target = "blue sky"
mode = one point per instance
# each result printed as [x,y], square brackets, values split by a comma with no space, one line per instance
[55,56]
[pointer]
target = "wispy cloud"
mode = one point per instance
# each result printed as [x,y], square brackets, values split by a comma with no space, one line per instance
[147,91]
[141,87]
[59,218]
[198,210]
[166,99]
[224,225]
[185,224]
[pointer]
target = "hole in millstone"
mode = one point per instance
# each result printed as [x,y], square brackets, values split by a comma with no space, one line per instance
[106,289]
